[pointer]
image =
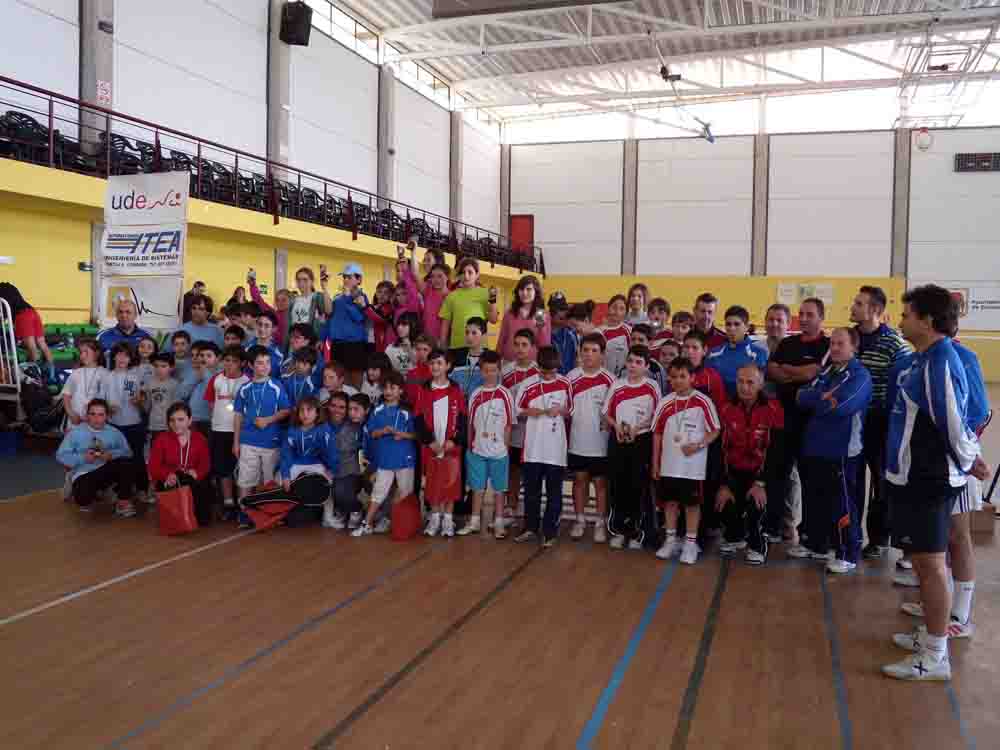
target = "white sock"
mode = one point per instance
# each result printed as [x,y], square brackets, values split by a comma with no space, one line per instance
[436,516]
[693,538]
[671,534]
[961,603]
[936,645]
[447,518]
[581,518]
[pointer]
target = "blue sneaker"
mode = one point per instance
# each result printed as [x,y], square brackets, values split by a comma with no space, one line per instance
[244,520]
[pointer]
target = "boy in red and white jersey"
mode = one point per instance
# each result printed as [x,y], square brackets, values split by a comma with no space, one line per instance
[491,417]
[628,410]
[686,423]
[546,400]
[659,322]
[220,393]
[512,377]
[588,435]
[617,334]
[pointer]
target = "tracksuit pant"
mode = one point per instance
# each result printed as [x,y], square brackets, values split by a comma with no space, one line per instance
[778,509]
[629,492]
[873,459]
[135,436]
[742,519]
[831,512]
[533,474]
[119,473]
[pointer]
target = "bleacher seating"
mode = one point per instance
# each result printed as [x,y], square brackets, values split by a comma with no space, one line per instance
[22,137]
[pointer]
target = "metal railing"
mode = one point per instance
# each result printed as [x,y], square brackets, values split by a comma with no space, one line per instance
[44,127]
[10,371]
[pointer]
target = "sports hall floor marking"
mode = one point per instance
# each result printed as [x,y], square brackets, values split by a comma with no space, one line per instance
[74,595]
[593,725]
[233,672]
[329,739]
[956,710]
[839,684]
[683,729]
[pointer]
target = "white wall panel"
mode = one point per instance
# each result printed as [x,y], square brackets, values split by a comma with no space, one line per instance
[830,207]
[954,221]
[574,191]
[196,66]
[695,206]
[334,117]
[480,179]
[423,151]
[40,45]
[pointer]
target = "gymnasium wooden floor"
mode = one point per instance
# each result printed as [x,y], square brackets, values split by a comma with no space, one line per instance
[112,636]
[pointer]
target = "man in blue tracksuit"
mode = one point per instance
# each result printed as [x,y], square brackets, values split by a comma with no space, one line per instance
[739,350]
[836,402]
[930,453]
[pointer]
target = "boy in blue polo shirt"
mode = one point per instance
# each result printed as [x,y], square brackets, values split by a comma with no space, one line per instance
[260,405]
[739,350]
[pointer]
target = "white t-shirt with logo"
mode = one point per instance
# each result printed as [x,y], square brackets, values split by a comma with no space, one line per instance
[682,420]
[220,392]
[299,311]
[512,378]
[633,404]
[545,436]
[85,384]
[123,386]
[491,410]
[588,433]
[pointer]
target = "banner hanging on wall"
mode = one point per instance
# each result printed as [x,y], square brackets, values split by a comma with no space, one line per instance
[155,298]
[145,225]
[979,304]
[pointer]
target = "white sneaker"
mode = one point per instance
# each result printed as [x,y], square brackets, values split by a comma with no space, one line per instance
[433,526]
[840,567]
[959,629]
[904,564]
[333,521]
[690,552]
[600,533]
[448,527]
[913,609]
[472,527]
[578,530]
[754,557]
[824,557]
[617,541]
[634,544]
[363,530]
[354,521]
[799,552]
[920,667]
[907,579]
[384,526]
[670,549]
[526,536]
[149,497]
[731,548]
[774,538]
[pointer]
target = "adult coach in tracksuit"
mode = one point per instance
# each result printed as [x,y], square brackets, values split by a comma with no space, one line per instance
[929,455]
[879,349]
[836,402]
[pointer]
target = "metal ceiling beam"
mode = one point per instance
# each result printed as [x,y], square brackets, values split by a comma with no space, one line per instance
[824,24]
[783,9]
[644,17]
[445,24]
[534,30]
[769,68]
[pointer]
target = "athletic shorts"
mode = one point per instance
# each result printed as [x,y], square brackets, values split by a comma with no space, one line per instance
[595,466]
[351,355]
[481,470]
[514,453]
[256,465]
[970,499]
[920,521]
[686,492]
[223,460]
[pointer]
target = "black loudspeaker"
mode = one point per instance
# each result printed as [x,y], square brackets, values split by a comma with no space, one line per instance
[296,23]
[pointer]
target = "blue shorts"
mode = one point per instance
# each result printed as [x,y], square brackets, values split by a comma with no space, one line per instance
[480,469]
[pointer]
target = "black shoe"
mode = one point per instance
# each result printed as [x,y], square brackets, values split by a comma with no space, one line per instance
[873,552]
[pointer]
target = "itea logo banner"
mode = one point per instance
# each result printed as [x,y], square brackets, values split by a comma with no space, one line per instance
[145,224]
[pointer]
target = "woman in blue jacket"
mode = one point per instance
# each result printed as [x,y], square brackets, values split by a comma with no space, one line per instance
[831,448]
[347,330]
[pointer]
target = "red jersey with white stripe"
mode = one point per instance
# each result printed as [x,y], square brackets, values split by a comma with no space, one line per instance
[679,421]
[511,378]
[588,434]
[491,411]
[657,341]
[545,436]
[633,404]
[618,339]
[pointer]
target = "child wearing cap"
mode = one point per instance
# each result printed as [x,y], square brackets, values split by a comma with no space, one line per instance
[346,329]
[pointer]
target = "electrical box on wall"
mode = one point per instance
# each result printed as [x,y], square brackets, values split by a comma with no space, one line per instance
[977,162]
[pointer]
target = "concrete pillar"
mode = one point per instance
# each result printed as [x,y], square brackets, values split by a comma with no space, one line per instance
[761,186]
[455,181]
[901,204]
[505,189]
[630,196]
[281,269]
[279,91]
[97,66]
[387,132]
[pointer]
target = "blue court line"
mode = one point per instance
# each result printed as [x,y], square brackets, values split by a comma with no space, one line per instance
[593,725]
[839,685]
[233,672]
[967,738]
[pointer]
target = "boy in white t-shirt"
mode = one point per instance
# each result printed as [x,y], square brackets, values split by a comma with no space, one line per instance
[220,392]
[588,435]
[546,401]
[491,415]
[686,423]
[512,378]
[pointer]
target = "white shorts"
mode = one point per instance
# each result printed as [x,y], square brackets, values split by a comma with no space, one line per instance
[299,470]
[383,483]
[970,499]
[257,465]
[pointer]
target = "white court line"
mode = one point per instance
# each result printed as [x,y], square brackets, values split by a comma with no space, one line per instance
[118,579]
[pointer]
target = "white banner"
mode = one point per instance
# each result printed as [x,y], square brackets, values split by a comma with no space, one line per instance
[155,298]
[979,304]
[145,225]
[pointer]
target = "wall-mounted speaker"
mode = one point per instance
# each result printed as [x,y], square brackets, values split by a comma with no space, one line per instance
[296,23]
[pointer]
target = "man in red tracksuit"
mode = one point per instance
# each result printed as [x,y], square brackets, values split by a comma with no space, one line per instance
[752,446]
